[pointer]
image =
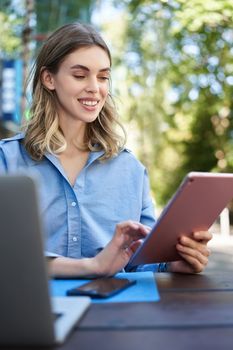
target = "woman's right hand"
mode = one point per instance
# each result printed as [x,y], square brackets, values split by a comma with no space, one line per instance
[116,255]
[112,259]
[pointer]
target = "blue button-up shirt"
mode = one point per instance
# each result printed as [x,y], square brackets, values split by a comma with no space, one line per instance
[80,220]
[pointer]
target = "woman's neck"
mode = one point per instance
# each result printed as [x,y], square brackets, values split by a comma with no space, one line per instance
[73,131]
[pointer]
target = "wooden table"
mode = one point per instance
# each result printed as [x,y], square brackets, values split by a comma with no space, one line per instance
[195,312]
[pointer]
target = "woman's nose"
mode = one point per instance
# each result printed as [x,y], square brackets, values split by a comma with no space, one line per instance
[92,85]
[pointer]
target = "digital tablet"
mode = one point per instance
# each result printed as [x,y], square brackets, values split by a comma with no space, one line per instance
[195,206]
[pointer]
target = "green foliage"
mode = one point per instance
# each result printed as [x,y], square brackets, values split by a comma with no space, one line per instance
[52,14]
[46,14]
[179,60]
[10,36]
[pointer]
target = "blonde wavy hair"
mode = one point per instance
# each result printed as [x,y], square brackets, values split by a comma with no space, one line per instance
[43,133]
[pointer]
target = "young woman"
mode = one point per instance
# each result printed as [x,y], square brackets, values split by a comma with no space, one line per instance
[94,194]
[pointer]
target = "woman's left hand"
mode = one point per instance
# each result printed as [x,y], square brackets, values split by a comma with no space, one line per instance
[194,253]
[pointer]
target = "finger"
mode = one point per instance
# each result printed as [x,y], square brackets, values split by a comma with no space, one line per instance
[130,249]
[143,228]
[194,253]
[193,244]
[203,236]
[131,226]
[135,245]
[148,228]
[128,232]
[194,264]
[133,235]
[125,225]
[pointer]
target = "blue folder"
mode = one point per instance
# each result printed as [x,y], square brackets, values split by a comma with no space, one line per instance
[145,289]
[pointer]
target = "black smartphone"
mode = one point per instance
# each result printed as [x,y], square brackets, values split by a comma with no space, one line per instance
[102,287]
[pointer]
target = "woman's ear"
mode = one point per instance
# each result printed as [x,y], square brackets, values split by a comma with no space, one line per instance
[47,79]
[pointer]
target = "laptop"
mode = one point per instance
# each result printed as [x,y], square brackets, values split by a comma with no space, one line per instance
[28,315]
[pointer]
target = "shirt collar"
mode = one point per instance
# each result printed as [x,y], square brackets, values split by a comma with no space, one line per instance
[15,137]
[94,155]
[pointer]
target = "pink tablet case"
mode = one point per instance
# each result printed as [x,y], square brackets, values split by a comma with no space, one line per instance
[195,206]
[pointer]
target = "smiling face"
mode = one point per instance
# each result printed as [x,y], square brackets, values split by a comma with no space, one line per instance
[81,84]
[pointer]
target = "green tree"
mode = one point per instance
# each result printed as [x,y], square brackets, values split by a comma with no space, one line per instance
[11,23]
[179,73]
[25,23]
[52,14]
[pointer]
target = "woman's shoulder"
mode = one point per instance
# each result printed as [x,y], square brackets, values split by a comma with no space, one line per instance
[127,158]
[11,147]
[12,141]
[124,164]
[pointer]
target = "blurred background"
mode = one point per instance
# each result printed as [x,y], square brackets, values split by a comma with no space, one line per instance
[172,77]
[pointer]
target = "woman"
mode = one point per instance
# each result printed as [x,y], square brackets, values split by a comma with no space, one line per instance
[94,193]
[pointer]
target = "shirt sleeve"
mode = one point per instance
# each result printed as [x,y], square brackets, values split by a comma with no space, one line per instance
[148,210]
[51,255]
[3,168]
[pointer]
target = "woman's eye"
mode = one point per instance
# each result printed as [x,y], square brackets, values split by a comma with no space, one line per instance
[79,76]
[104,78]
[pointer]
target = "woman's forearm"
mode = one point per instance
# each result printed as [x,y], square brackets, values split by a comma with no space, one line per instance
[62,266]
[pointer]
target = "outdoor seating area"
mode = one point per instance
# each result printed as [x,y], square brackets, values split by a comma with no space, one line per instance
[116,174]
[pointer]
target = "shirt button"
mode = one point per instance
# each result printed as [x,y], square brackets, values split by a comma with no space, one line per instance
[75,239]
[73,204]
